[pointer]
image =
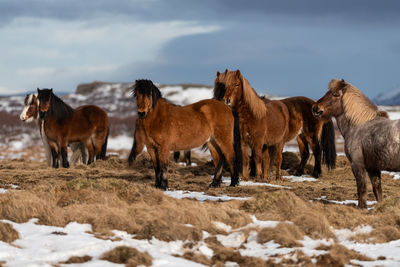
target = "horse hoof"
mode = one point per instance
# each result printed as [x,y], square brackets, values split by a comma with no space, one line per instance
[215,184]
[315,174]
[234,183]
[299,173]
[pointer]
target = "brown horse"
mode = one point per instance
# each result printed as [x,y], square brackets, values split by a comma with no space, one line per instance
[317,133]
[138,146]
[371,140]
[63,124]
[168,127]
[263,126]
[30,112]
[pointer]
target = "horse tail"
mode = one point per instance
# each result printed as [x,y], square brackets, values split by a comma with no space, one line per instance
[328,145]
[237,146]
[104,146]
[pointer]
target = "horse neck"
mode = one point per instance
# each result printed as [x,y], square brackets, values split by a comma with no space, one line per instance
[155,112]
[346,127]
[242,108]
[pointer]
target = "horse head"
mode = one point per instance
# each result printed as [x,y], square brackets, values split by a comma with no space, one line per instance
[44,98]
[229,87]
[31,108]
[330,105]
[147,95]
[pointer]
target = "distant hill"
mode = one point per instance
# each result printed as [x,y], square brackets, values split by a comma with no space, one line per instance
[388,98]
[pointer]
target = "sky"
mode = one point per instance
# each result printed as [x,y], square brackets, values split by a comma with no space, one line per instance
[284,48]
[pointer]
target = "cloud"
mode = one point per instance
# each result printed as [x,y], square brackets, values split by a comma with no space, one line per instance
[63,54]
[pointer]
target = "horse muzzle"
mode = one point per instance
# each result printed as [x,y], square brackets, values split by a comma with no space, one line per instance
[141,114]
[316,111]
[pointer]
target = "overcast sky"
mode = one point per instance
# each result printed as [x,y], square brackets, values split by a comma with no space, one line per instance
[282,47]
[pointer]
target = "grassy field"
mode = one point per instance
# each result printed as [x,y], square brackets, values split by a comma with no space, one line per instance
[110,195]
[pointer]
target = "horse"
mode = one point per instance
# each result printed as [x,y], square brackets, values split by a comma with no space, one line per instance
[63,124]
[138,146]
[372,140]
[264,126]
[30,112]
[169,127]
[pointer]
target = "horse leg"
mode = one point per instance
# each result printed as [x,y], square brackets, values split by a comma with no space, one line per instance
[163,159]
[216,155]
[89,146]
[266,161]
[156,165]
[64,153]
[54,155]
[177,154]
[375,177]
[278,160]
[257,153]
[84,154]
[76,153]
[188,158]
[316,149]
[252,165]
[304,153]
[246,161]
[360,175]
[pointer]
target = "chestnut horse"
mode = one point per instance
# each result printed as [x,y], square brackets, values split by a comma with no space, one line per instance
[138,146]
[30,112]
[169,127]
[263,126]
[371,139]
[308,130]
[63,125]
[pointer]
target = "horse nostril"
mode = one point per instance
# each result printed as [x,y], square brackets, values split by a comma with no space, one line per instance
[228,101]
[316,111]
[141,114]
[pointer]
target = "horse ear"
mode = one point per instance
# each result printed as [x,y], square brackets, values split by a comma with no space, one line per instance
[238,74]
[218,73]
[51,90]
[38,90]
[226,71]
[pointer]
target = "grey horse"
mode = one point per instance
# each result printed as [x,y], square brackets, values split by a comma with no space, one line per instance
[372,140]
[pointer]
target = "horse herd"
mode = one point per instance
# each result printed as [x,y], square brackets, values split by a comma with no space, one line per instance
[242,130]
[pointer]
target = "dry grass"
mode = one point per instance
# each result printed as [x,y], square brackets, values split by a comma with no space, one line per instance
[110,195]
[7,233]
[128,256]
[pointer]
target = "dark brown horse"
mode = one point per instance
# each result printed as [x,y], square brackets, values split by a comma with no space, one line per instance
[371,140]
[263,126]
[138,146]
[308,130]
[63,125]
[30,113]
[168,127]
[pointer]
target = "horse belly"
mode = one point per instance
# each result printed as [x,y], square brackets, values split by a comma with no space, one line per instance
[381,149]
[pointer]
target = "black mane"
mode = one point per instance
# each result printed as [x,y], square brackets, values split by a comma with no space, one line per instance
[58,108]
[146,87]
[219,91]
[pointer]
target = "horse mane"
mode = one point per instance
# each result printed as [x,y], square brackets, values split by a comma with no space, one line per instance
[357,107]
[59,109]
[146,87]
[253,101]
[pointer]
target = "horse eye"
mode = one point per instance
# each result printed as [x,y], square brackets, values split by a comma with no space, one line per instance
[335,94]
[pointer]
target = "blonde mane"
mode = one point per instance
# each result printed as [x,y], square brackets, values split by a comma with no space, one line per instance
[252,100]
[357,107]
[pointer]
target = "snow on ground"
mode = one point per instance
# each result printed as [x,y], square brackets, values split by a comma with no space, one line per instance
[227,180]
[344,202]
[41,245]
[120,142]
[201,196]
[396,175]
[303,178]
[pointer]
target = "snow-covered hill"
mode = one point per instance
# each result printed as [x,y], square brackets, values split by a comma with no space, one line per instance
[388,98]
